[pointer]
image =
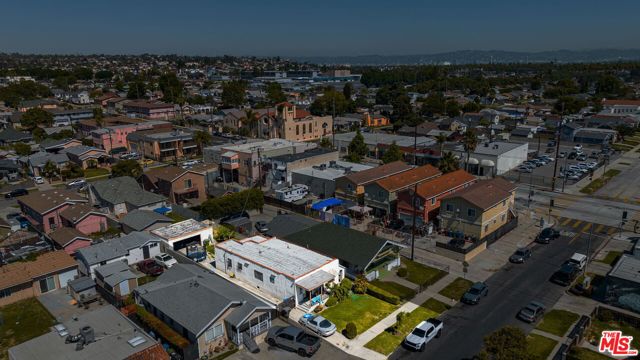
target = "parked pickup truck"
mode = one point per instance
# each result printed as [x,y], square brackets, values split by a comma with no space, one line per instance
[318,324]
[423,333]
[294,339]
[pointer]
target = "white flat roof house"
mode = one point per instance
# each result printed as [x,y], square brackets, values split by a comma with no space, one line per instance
[184,233]
[283,270]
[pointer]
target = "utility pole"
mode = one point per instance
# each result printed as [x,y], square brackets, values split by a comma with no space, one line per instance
[413,228]
[588,248]
[415,145]
[555,166]
[333,124]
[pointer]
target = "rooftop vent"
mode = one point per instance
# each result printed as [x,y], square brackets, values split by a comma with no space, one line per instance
[136,341]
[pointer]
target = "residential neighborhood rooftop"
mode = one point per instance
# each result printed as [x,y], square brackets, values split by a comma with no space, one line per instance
[179,229]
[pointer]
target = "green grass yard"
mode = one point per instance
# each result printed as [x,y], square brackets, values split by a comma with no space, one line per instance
[456,288]
[598,326]
[557,322]
[578,353]
[89,173]
[401,291]
[435,305]
[596,184]
[22,321]
[362,310]
[539,346]
[386,342]
[611,257]
[421,274]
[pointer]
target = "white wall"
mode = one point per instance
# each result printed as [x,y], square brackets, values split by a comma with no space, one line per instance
[512,159]
[135,255]
[205,234]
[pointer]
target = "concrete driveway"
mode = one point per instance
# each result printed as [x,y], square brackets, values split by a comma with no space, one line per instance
[62,306]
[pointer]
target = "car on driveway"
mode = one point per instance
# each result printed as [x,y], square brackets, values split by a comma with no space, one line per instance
[318,324]
[423,333]
[294,339]
[165,260]
[546,235]
[38,180]
[261,226]
[520,256]
[15,193]
[76,184]
[532,312]
[477,291]
[150,267]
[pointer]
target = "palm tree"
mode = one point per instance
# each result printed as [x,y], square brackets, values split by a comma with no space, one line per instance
[448,163]
[50,170]
[202,138]
[441,139]
[469,141]
[252,121]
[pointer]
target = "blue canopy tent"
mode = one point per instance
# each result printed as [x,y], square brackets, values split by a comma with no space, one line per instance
[163,210]
[326,203]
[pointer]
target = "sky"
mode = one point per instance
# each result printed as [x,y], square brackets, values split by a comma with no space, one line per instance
[314,27]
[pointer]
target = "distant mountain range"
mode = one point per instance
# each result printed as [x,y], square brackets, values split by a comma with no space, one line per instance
[481,57]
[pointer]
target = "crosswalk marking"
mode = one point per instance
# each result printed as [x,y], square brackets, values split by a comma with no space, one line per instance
[566,221]
[586,227]
[599,228]
[576,224]
[611,230]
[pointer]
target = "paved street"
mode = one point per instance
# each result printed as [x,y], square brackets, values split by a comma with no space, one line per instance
[510,289]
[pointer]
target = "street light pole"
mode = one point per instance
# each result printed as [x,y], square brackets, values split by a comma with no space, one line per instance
[413,228]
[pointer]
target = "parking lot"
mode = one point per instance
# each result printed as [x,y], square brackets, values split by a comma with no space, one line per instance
[542,174]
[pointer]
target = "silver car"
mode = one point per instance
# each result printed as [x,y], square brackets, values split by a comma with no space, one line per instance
[318,324]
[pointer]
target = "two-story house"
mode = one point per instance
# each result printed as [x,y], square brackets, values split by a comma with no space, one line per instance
[177,184]
[480,209]
[382,195]
[429,194]
[44,208]
[351,187]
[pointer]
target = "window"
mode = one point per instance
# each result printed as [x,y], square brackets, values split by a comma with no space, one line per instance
[153,244]
[257,275]
[272,279]
[47,284]
[471,212]
[304,128]
[229,264]
[433,201]
[187,184]
[5,293]
[239,267]
[310,127]
[349,187]
[502,217]
[213,333]
[449,207]
[297,129]
[486,228]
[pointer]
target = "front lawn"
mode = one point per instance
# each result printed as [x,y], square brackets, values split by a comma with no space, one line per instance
[611,257]
[362,310]
[401,291]
[22,321]
[456,289]
[557,322]
[598,326]
[435,305]
[386,341]
[421,274]
[539,346]
[89,173]
[578,353]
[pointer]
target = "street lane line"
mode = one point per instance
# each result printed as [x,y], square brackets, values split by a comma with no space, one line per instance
[599,228]
[576,224]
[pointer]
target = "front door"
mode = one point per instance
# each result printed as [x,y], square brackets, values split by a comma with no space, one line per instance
[145,251]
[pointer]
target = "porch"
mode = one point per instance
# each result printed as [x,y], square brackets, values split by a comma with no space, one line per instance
[311,290]
[250,328]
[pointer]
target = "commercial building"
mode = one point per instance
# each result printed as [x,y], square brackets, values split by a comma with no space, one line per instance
[378,142]
[494,158]
[180,235]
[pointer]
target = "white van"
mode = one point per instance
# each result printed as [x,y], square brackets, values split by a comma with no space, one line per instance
[579,260]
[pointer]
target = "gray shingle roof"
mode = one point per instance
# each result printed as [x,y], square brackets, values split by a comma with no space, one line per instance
[116,272]
[124,189]
[193,297]
[139,220]
[11,134]
[114,248]
[286,224]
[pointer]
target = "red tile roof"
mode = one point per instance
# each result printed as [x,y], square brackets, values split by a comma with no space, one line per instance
[407,178]
[621,102]
[366,176]
[444,183]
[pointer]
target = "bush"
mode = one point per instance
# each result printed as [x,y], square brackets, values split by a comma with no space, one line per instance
[360,285]
[318,308]
[232,203]
[341,291]
[402,272]
[382,294]
[161,328]
[350,331]
[331,302]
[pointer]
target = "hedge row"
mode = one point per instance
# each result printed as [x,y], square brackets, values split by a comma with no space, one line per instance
[233,203]
[382,294]
[161,328]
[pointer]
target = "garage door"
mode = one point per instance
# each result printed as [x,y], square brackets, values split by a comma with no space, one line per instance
[65,277]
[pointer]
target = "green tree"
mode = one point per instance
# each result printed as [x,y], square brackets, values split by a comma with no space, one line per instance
[326,143]
[137,90]
[98,116]
[569,104]
[38,134]
[433,104]
[223,233]
[470,142]
[471,106]
[50,170]
[72,171]
[202,138]
[22,149]
[441,139]
[275,94]
[126,168]
[347,91]
[232,203]
[448,163]
[172,88]
[357,148]
[234,93]
[34,117]
[507,343]
[330,100]
[252,120]
[392,154]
